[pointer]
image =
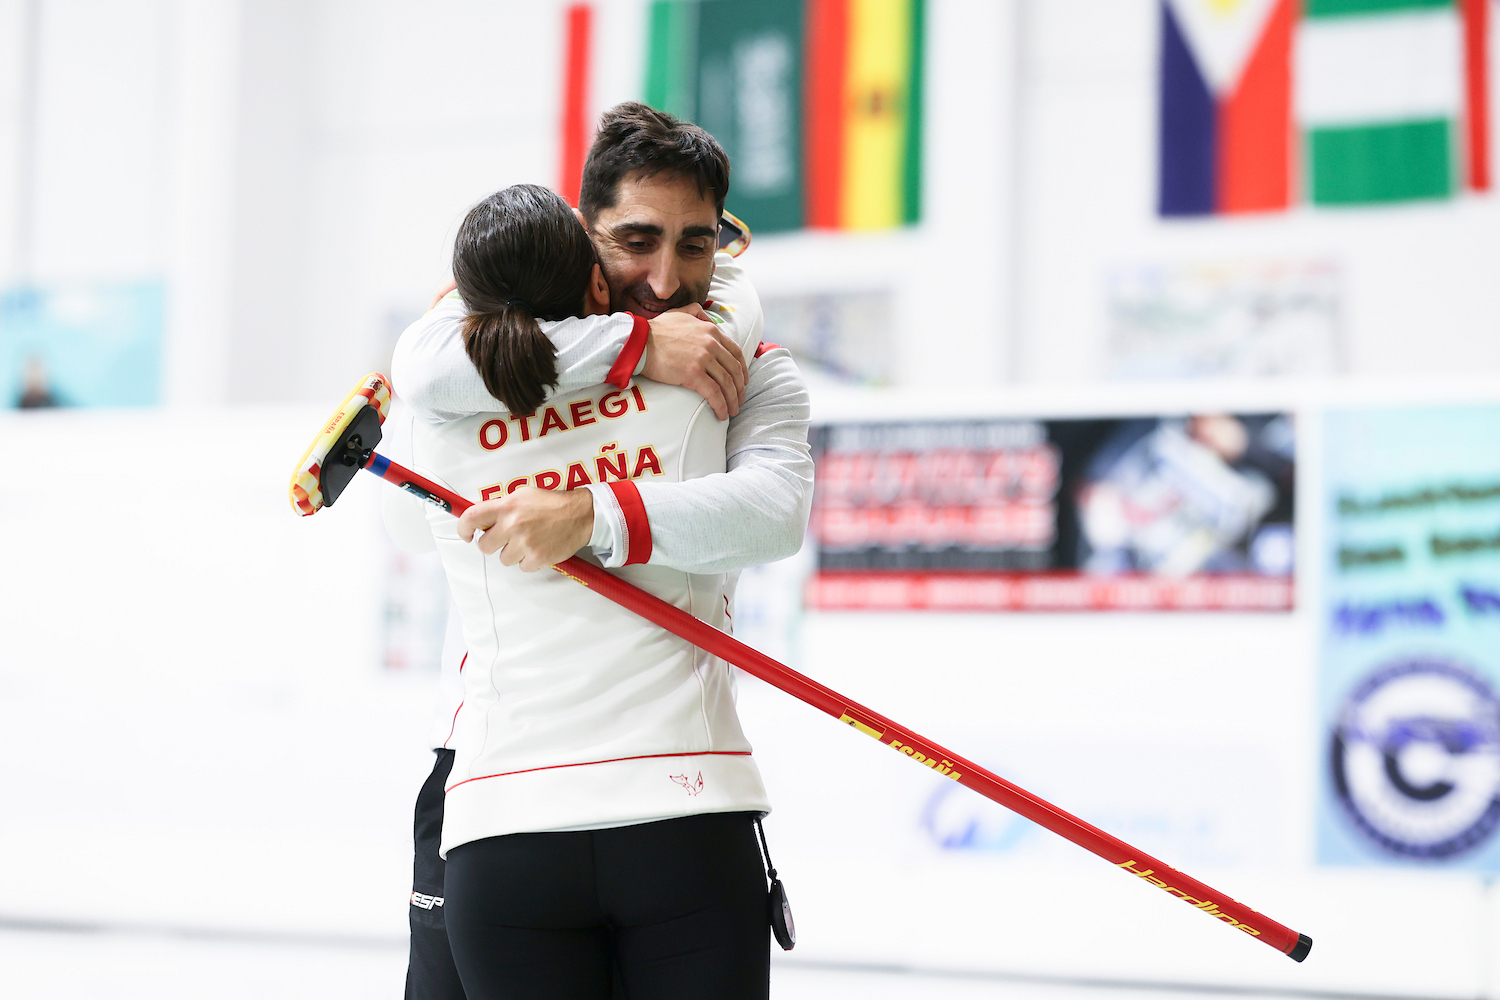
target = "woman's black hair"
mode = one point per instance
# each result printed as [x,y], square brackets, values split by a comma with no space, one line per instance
[521,255]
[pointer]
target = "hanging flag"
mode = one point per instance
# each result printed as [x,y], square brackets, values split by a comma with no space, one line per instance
[817,102]
[1380,96]
[672,58]
[749,60]
[1476,14]
[1335,102]
[1225,89]
[576,129]
[864,113]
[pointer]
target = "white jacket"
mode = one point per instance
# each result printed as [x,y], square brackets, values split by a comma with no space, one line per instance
[754,513]
[577,713]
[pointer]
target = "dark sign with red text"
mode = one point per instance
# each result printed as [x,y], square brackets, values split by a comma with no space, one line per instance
[996,515]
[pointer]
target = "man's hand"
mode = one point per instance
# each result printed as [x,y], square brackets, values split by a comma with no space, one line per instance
[531,528]
[686,348]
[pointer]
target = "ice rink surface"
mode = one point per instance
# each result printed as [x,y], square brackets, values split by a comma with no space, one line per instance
[122,965]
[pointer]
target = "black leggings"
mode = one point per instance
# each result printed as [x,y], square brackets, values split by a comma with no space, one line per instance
[674,909]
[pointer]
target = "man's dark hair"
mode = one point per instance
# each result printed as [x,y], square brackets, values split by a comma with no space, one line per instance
[636,138]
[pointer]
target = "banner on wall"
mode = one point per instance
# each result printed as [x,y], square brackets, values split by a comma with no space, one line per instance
[1410,675]
[817,102]
[1233,319]
[81,345]
[1268,103]
[1156,513]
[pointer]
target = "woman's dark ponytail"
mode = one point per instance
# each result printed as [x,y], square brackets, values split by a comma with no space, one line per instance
[514,357]
[520,256]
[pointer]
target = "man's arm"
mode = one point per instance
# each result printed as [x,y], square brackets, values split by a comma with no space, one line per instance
[754,513]
[433,374]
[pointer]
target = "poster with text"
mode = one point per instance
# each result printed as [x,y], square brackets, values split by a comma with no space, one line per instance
[1145,513]
[1411,639]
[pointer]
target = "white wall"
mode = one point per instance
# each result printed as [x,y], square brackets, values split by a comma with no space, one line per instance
[100,167]
[1419,293]
[204,149]
[195,727]
[15,88]
[298,169]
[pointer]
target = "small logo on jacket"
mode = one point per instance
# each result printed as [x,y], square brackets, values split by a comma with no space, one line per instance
[693,786]
[426,902]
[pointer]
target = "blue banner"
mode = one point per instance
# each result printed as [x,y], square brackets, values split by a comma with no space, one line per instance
[1410,679]
[81,345]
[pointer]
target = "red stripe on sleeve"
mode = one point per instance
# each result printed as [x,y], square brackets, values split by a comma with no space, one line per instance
[630,354]
[766,345]
[637,526]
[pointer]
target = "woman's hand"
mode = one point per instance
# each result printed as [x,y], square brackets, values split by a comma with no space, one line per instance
[531,528]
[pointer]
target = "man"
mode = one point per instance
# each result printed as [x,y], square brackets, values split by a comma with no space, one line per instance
[654,226]
[679,349]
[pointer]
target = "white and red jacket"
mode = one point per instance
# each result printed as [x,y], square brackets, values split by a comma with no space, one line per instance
[577,713]
[755,512]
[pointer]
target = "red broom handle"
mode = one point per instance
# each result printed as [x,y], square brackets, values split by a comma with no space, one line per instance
[901,739]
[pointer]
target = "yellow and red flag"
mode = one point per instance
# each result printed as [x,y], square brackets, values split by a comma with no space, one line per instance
[863,113]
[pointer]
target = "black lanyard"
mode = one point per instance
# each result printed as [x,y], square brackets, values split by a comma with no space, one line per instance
[782,924]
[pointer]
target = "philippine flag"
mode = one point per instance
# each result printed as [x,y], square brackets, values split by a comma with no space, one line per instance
[1264,103]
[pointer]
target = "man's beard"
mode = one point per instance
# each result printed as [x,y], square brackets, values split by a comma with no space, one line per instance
[640,296]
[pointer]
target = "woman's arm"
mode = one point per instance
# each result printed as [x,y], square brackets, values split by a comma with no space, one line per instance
[432,373]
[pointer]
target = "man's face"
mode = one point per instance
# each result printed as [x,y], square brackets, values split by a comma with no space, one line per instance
[656,244]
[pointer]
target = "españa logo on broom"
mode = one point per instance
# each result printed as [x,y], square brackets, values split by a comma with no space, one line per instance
[943,767]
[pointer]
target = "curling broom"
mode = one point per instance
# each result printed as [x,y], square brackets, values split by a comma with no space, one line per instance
[347,444]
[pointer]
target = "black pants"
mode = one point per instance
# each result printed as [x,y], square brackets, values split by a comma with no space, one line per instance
[673,910]
[430,973]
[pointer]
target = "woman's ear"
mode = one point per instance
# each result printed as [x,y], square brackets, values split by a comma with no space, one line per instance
[596,299]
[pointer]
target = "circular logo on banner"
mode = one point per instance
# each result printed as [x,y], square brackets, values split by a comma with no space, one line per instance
[1416,759]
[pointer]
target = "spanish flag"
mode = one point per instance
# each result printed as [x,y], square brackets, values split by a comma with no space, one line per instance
[863,113]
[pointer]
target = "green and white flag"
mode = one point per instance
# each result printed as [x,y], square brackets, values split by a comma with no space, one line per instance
[1380,97]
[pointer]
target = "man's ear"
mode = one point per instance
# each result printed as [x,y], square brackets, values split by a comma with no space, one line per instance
[581,220]
[596,299]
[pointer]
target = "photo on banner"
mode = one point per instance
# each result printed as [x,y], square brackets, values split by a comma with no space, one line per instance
[1409,689]
[1224,319]
[1147,513]
[81,345]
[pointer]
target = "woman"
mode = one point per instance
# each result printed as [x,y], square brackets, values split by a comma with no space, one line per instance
[599,814]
